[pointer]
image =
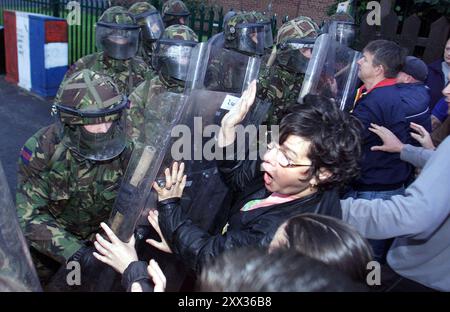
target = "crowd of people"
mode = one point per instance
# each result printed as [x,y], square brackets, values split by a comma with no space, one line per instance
[337,190]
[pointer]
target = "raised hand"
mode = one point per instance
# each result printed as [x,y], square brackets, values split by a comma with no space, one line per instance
[236,115]
[391,143]
[422,136]
[175,183]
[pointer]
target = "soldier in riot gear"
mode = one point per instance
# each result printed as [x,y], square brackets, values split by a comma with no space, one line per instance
[242,34]
[281,81]
[342,28]
[69,172]
[152,27]
[175,12]
[117,38]
[171,60]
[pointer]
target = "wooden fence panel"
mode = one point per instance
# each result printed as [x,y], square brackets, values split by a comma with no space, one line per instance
[439,32]
[410,33]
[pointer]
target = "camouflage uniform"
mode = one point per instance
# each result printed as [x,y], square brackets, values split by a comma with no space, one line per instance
[127,74]
[276,83]
[141,11]
[61,196]
[142,97]
[173,10]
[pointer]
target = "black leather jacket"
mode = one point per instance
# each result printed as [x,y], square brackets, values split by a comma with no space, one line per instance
[251,228]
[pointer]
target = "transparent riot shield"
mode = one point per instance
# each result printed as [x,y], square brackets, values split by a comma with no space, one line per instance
[215,85]
[163,111]
[180,127]
[17,271]
[332,72]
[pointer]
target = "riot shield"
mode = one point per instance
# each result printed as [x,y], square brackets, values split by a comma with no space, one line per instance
[163,111]
[332,72]
[170,115]
[17,272]
[215,85]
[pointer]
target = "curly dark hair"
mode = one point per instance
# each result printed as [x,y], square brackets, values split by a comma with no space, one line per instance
[335,138]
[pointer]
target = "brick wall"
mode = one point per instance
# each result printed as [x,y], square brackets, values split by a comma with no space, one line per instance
[316,9]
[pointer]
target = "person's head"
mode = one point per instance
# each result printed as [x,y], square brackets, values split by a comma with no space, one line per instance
[325,239]
[319,148]
[244,33]
[341,26]
[173,52]
[447,52]
[295,41]
[91,115]
[227,17]
[175,12]
[381,59]
[414,70]
[117,34]
[268,34]
[149,19]
[255,270]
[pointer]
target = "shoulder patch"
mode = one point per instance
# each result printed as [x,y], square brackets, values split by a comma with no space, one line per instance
[25,155]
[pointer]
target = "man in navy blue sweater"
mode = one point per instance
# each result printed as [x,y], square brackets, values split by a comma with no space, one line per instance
[377,101]
[415,95]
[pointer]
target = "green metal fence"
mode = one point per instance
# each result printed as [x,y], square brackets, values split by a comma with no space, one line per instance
[205,20]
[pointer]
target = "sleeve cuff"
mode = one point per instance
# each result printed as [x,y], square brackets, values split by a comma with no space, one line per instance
[135,272]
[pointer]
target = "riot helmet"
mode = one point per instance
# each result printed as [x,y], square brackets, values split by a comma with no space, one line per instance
[175,12]
[117,34]
[173,52]
[245,34]
[268,34]
[342,28]
[149,19]
[88,100]
[295,41]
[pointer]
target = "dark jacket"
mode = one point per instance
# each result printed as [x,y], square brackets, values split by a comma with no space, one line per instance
[251,228]
[416,100]
[435,81]
[381,171]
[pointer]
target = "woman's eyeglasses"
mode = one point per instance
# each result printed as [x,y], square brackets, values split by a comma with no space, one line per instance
[282,159]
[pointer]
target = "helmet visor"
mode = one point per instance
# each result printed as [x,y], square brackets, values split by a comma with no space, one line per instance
[172,57]
[251,38]
[295,55]
[97,142]
[152,26]
[120,42]
[268,35]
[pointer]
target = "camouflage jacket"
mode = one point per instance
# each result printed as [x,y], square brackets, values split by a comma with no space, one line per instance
[281,88]
[126,74]
[146,104]
[61,199]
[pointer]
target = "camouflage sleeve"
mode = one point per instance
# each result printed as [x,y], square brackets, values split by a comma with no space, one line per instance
[83,63]
[144,72]
[40,227]
[135,116]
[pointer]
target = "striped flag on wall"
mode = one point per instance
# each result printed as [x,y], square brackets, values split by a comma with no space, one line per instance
[36,51]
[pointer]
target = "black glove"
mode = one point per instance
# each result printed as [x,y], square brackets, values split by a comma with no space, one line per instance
[137,272]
